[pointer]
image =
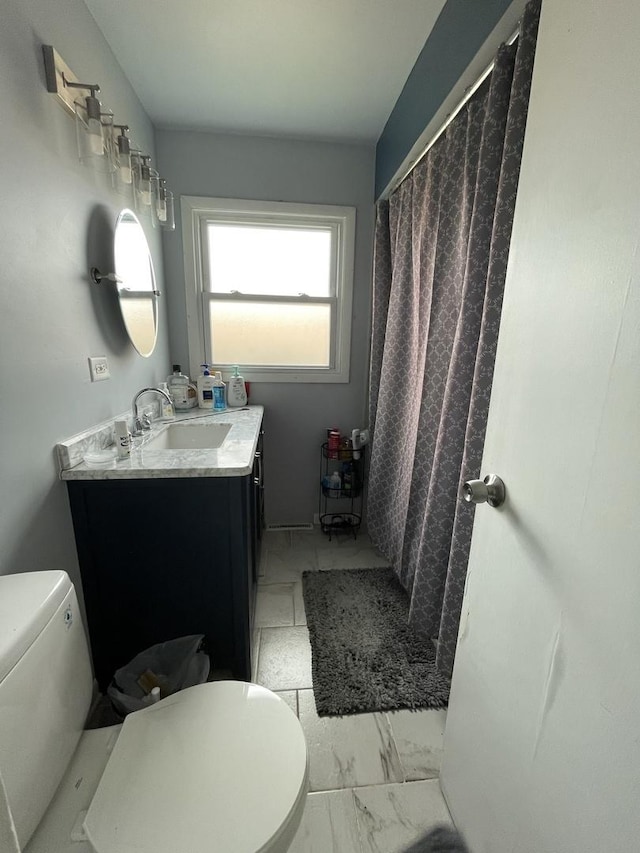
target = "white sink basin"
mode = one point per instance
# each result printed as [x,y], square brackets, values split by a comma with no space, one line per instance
[189,437]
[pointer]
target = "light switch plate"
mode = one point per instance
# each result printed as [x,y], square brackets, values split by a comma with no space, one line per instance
[99,368]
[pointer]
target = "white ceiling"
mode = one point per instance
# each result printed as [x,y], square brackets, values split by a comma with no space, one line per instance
[325,69]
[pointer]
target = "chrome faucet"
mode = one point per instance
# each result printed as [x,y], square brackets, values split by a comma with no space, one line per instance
[140,424]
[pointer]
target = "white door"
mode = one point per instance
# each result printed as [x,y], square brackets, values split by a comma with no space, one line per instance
[542,749]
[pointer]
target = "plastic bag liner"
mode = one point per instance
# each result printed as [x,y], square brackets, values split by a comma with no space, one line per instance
[172,666]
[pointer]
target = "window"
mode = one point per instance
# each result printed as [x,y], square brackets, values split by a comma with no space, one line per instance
[269,287]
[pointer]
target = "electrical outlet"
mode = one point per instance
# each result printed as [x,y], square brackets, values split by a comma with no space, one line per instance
[99,368]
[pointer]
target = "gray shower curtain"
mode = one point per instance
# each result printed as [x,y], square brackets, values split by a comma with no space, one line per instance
[442,242]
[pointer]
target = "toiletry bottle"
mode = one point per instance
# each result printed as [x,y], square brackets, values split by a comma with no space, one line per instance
[219,393]
[347,476]
[356,443]
[236,392]
[167,412]
[205,388]
[192,396]
[335,484]
[183,392]
[123,439]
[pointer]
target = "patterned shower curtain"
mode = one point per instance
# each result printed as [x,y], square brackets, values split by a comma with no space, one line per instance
[442,242]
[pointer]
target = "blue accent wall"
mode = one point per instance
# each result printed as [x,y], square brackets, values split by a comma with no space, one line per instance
[461,29]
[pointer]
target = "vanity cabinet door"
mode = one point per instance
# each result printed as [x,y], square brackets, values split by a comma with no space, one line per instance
[258,501]
[161,559]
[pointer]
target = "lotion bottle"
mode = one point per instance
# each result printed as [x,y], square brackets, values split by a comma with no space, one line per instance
[335,485]
[206,384]
[237,391]
[123,439]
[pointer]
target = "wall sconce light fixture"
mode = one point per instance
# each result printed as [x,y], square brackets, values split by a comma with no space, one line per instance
[105,144]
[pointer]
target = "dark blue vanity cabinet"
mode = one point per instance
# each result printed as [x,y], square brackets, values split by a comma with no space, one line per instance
[163,558]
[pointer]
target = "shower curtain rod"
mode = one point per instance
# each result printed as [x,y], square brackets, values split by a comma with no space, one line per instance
[468,94]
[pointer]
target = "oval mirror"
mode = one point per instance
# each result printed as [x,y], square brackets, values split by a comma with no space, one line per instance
[136,283]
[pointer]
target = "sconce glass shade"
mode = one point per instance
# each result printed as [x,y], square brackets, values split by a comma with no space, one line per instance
[143,181]
[124,169]
[94,126]
[144,191]
[169,222]
[162,204]
[123,156]
[94,138]
[161,200]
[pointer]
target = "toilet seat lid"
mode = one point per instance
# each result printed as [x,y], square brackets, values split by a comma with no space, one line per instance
[220,766]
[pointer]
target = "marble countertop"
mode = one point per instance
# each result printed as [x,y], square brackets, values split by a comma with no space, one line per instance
[234,458]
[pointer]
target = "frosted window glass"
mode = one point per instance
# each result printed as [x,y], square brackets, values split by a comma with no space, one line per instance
[267,333]
[268,260]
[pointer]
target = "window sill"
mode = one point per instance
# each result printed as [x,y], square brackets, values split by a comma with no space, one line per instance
[300,375]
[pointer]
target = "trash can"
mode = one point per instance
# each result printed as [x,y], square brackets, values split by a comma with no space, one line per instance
[159,671]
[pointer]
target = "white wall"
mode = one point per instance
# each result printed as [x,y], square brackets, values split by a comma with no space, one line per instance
[56,221]
[297,415]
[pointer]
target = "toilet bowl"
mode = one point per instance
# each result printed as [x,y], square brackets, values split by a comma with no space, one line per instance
[217,767]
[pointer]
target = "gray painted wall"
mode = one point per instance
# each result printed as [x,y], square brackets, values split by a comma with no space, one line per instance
[294,171]
[56,221]
[461,28]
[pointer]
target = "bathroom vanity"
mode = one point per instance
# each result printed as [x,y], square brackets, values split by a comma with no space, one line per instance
[169,541]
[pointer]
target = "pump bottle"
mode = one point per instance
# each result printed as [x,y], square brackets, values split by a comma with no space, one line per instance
[183,392]
[206,383]
[236,391]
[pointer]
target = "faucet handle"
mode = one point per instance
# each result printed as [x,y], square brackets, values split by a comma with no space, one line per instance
[137,426]
[146,422]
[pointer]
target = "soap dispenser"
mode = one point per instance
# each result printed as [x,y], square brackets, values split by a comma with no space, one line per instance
[205,388]
[237,391]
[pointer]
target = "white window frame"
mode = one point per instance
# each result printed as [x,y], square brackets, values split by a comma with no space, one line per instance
[197,211]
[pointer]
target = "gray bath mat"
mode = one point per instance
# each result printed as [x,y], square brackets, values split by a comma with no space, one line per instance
[365,656]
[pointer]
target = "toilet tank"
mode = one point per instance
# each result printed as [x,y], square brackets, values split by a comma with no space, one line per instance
[45,689]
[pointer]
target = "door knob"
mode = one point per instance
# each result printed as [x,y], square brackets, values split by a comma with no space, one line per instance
[491,490]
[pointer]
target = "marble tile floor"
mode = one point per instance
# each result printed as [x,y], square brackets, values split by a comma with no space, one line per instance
[373,777]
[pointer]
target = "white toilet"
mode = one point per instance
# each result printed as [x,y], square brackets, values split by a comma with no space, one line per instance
[218,767]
